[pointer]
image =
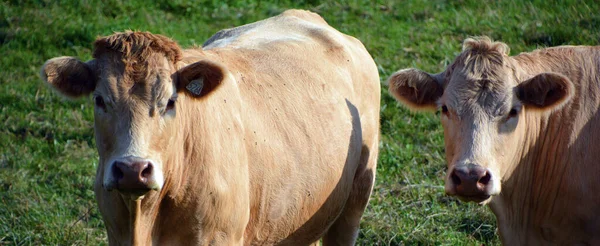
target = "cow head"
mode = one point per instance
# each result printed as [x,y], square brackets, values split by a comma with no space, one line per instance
[483,99]
[137,90]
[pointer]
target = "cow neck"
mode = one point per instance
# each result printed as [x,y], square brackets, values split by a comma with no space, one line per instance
[525,195]
[142,215]
[531,192]
[175,170]
[135,219]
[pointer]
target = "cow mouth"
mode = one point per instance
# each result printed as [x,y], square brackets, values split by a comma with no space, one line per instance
[480,199]
[134,192]
[132,195]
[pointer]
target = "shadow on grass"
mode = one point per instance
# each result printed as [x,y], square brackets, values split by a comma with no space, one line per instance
[480,228]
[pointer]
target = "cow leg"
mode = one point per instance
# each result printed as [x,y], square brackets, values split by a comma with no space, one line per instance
[344,230]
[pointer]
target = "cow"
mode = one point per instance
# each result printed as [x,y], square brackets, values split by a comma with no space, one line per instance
[521,135]
[268,134]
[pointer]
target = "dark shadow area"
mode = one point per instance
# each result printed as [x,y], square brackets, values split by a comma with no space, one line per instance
[479,228]
[323,212]
[548,196]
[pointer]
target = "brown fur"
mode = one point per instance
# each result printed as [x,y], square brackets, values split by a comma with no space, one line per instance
[137,46]
[135,49]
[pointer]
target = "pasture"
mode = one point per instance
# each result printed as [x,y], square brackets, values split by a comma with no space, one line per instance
[47,151]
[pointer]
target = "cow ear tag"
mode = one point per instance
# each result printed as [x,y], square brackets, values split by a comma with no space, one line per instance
[195,87]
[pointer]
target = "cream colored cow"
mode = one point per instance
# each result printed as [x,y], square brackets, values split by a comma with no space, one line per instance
[266,135]
[521,134]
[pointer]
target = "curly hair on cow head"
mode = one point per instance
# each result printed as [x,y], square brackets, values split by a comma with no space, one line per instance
[137,45]
[135,49]
[482,58]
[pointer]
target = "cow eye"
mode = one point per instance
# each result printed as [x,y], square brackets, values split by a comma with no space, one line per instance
[170,104]
[444,109]
[99,102]
[513,113]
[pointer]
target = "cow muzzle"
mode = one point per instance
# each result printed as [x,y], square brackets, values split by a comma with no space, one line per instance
[471,182]
[133,175]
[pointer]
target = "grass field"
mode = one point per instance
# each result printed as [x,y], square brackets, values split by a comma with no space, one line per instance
[47,154]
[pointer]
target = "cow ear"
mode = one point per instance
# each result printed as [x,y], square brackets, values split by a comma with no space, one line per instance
[200,79]
[416,89]
[545,91]
[69,76]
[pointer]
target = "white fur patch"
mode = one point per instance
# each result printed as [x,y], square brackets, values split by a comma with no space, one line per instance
[195,87]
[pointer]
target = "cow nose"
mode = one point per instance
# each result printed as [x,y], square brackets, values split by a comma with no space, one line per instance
[471,180]
[132,174]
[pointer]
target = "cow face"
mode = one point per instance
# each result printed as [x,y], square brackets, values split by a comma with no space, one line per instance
[134,122]
[482,103]
[134,83]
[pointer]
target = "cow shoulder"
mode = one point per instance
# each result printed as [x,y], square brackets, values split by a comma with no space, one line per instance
[226,36]
[305,15]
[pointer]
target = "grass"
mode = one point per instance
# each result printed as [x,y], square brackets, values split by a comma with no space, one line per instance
[47,154]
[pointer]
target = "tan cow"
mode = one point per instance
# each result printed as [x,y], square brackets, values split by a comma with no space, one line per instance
[521,134]
[266,135]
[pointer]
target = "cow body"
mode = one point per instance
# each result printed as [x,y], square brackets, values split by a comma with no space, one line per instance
[520,135]
[267,135]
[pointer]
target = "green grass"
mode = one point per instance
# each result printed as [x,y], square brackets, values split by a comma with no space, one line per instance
[47,154]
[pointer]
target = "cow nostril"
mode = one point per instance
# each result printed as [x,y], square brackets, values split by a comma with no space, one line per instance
[455,178]
[147,172]
[117,172]
[485,179]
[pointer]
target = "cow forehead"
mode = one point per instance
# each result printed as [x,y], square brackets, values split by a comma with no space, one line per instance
[139,60]
[466,93]
[149,80]
[481,75]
